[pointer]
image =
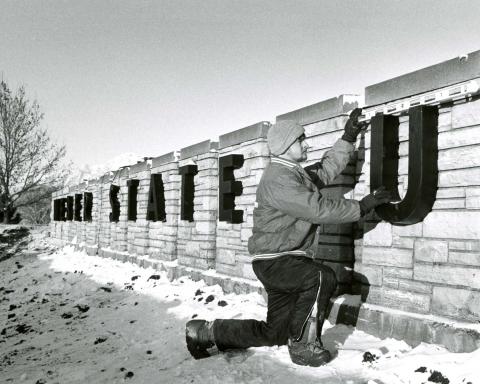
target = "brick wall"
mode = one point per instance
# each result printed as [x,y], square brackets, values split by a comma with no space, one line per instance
[432,267]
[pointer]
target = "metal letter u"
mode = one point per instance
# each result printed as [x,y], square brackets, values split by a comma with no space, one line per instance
[422,164]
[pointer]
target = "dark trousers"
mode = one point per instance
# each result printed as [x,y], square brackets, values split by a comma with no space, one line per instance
[293,285]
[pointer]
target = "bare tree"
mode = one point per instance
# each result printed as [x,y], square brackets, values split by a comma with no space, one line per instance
[28,158]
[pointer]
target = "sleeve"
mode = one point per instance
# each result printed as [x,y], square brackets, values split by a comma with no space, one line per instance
[289,195]
[333,162]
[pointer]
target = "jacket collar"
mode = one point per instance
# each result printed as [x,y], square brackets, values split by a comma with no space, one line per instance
[282,161]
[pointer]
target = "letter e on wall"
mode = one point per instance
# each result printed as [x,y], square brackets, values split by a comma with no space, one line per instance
[229,188]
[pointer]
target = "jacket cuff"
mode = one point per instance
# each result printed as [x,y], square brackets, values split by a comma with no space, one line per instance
[349,138]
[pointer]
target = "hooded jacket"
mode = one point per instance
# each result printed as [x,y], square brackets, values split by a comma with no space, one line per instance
[289,205]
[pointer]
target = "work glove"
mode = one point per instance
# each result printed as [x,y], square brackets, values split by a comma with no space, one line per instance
[352,126]
[378,197]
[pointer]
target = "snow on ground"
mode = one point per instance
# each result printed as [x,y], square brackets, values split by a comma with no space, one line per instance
[133,330]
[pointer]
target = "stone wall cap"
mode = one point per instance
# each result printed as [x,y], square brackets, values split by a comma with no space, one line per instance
[106,178]
[124,172]
[139,167]
[252,132]
[94,181]
[436,76]
[198,149]
[322,110]
[164,159]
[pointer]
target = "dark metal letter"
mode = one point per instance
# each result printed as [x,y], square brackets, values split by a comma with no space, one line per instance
[156,199]
[188,191]
[114,203]
[229,188]
[78,207]
[87,206]
[69,208]
[422,164]
[132,199]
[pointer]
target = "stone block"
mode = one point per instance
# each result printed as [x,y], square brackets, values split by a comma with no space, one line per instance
[459,303]
[444,119]
[245,234]
[464,258]
[226,256]
[239,136]
[403,242]
[447,274]
[447,193]
[335,252]
[325,126]
[368,274]
[381,235]
[459,137]
[431,251]
[473,197]
[322,110]
[197,149]
[402,273]
[192,249]
[453,225]
[390,282]
[415,230]
[414,286]
[467,245]
[324,141]
[459,158]
[403,300]
[335,239]
[459,177]
[248,272]
[465,115]
[337,229]
[205,227]
[403,166]
[449,204]
[387,256]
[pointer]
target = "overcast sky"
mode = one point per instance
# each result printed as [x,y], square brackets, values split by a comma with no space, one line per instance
[150,77]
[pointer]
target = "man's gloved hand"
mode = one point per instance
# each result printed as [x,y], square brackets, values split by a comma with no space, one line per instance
[352,126]
[378,197]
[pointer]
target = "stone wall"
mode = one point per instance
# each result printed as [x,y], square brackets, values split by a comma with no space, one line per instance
[432,267]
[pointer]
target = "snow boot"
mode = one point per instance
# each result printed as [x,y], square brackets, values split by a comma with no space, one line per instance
[308,350]
[199,337]
[310,353]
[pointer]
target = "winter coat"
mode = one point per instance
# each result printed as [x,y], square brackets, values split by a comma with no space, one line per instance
[289,205]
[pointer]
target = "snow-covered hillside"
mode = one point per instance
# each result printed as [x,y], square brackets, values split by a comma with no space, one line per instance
[88,172]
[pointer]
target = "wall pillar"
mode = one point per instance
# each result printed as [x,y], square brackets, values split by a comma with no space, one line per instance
[196,246]
[163,234]
[232,238]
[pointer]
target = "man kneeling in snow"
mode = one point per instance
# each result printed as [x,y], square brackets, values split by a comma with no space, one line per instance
[289,207]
